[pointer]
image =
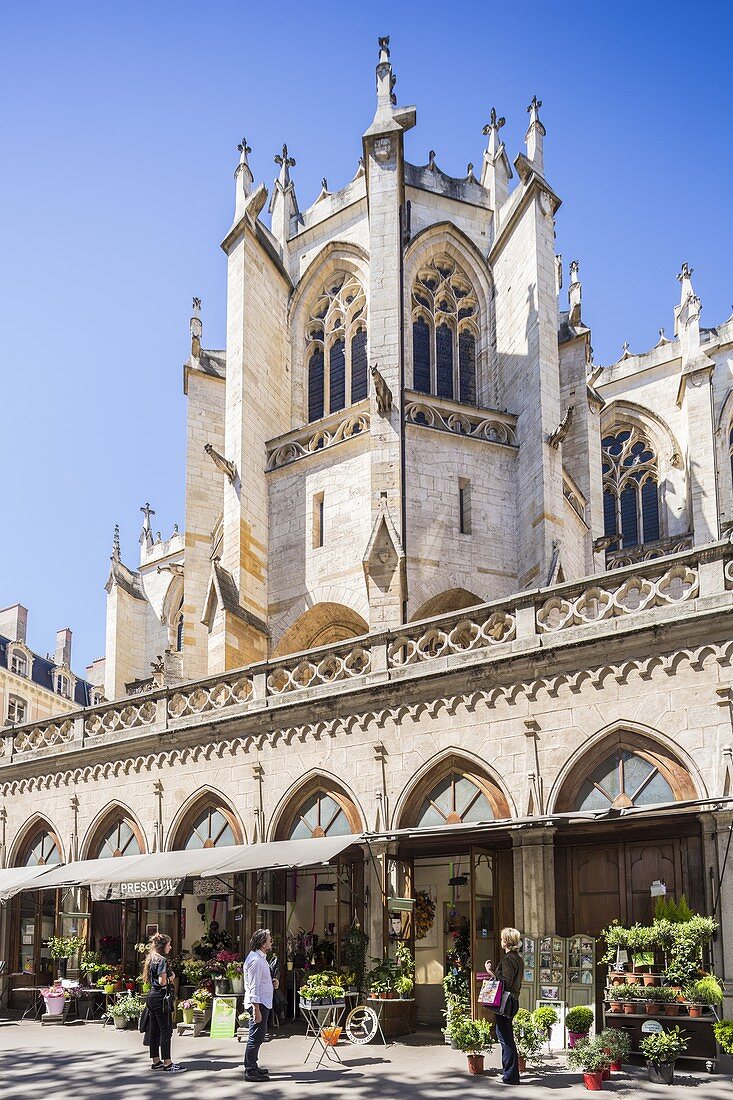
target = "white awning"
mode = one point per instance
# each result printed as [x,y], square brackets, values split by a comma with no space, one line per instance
[281,854]
[193,863]
[15,879]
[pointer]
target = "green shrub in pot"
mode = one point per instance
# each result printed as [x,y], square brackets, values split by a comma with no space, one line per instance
[579,1020]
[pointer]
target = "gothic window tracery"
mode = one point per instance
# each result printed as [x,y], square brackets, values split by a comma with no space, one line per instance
[445,329]
[320,815]
[119,839]
[210,828]
[622,780]
[630,489]
[454,799]
[336,353]
[43,849]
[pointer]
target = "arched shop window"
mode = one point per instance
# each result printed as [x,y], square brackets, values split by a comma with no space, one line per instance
[453,800]
[622,780]
[210,828]
[42,849]
[320,815]
[119,839]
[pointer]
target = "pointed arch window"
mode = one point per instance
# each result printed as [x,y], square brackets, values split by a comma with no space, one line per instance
[320,815]
[630,490]
[43,849]
[119,839]
[622,780]
[454,800]
[336,351]
[210,828]
[445,328]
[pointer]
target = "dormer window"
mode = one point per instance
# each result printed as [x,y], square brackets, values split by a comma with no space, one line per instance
[63,685]
[18,663]
[17,710]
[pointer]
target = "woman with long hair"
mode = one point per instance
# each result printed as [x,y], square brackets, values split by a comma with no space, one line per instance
[157,972]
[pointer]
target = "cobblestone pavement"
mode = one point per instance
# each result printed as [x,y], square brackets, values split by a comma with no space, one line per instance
[82,1061]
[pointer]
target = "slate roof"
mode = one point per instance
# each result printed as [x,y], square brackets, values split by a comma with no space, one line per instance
[42,674]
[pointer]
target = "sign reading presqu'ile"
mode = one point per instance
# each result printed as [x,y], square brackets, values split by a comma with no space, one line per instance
[149,888]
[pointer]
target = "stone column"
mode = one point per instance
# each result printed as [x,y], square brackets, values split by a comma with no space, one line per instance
[717,827]
[534,879]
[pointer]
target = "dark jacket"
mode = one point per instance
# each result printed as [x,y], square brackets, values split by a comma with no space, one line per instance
[510,970]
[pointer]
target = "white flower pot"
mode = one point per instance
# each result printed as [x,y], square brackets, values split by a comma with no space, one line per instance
[237,985]
[121,1022]
[54,1005]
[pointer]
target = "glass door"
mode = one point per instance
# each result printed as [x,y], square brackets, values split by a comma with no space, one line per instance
[484,934]
[399,879]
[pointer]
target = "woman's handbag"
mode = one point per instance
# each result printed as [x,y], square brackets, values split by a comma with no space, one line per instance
[508,1006]
[491,993]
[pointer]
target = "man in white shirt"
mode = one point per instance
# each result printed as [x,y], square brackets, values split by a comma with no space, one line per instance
[258,990]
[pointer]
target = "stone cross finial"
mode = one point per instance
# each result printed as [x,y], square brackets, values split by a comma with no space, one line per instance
[494,123]
[574,271]
[383,49]
[148,513]
[324,184]
[116,542]
[284,160]
[196,305]
[534,109]
[625,348]
[431,159]
[244,149]
[686,272]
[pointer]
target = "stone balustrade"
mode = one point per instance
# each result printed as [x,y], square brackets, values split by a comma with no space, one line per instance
[318,436]
[671,586]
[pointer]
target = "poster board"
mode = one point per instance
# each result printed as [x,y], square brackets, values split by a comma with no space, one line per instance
[581,971]
[558,970]
[224,1018]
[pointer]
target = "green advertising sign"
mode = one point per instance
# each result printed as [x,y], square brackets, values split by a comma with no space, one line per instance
[224,1018]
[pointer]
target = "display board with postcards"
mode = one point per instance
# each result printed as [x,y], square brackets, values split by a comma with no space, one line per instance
[557,970]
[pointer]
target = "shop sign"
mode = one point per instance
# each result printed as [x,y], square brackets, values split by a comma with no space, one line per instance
[224,1018]
[148,888]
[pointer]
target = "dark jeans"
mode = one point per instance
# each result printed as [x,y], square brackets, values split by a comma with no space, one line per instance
[505,1031]
[256,1038]
[161,1026]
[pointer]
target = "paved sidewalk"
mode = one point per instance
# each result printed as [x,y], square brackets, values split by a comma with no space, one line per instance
[85,1061]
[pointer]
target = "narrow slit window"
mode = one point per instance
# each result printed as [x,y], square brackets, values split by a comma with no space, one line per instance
[464,506]
[318,520]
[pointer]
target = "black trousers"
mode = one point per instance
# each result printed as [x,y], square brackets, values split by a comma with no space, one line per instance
[509,1064]
[161,1026]
[255,1038]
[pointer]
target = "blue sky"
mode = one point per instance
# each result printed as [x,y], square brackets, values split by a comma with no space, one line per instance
[119,134]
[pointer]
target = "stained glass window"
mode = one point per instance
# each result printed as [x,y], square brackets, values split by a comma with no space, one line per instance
[445,327]
[630,490]
[336,347]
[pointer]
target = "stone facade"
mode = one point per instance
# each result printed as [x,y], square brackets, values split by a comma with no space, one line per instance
[497,564]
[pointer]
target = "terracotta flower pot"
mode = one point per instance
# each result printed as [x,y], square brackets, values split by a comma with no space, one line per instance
[696,1011]
[629,1008]
[475,1063]
[672,1009]
[593,1081]
[615,1006]
[521,1063]
[653,1008]
[650,979]
[618,979]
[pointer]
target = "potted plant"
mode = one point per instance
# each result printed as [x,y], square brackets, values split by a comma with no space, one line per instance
[54,997]
[666,999]
[705,991]
[473,1037]
[723,1031]
[591,1059]
[187,1009]
[617,1045]
[125,1009]
[661,1051]
[578,1023]
[196,970]
[529,1037]
[403,986]
[90,963]
[235,976]
[545,1018]
[61,948]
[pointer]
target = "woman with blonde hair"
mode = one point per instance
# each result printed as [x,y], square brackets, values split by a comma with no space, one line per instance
[160,1003]
[509,971]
